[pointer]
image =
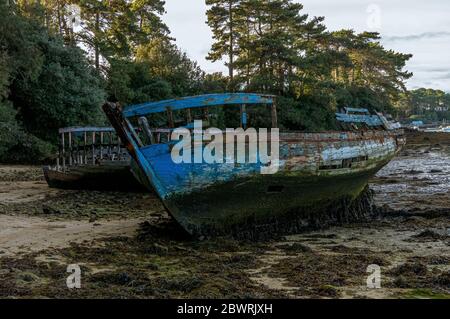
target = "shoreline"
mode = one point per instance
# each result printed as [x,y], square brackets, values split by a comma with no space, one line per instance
[150,257]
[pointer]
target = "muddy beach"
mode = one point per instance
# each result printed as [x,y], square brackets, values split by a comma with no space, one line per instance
[127,246]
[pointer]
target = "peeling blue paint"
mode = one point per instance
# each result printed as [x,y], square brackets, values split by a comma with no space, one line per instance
[370,120]
[196,102]
[308,161]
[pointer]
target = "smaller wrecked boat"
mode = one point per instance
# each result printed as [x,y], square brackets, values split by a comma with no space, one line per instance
[288,182]
[91,158]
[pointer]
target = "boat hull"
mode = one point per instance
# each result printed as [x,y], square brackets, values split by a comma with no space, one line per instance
[249,207]
[319,174]
[106,176]
[316,173]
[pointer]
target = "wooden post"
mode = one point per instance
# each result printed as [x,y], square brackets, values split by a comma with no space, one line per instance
[80,151]
[171,121]
[70,149]
[85,148]
[93,148]
[147,131]
[274,115]
[77,150]
[119,149]
[243,116]
[59,157]
[170,117]
[111,146]
[240,116]
[101,145]
[205,114]
[188,116]
[63,152]
[110,150]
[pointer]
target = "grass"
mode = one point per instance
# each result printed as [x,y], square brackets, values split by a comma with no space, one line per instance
[423,293]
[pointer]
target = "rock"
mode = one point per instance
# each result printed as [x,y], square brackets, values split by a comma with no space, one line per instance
[401,282]
[328,291]
[295,248]
[411,269]
[153,267]
[414,172]
[156,249]
[48,210]
[117,278]
[430,235]
[443,279]
[28,277]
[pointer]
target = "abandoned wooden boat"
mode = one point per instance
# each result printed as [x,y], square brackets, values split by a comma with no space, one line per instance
[316,172]
[91,158]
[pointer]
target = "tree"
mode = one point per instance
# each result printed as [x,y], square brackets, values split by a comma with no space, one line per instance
[5,71]
[166,61]
[67,92]
[50,85]
[16,145]
[160,71]
[426,104]
[112,29]
[372,68]
[272,44]
[278,49]
[106,29]
[223,20]
[132,83]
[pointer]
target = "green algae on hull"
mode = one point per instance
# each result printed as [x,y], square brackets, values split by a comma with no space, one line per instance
[320,182]
[318,173]
[245,208]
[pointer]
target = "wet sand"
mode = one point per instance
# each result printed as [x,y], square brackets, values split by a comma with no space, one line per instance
[128,247]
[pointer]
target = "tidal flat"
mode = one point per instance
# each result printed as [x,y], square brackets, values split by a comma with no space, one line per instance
[128,247]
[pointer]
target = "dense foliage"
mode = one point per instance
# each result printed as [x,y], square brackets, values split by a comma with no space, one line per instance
[271,46]
[60,59]
[427,105]
[45,85]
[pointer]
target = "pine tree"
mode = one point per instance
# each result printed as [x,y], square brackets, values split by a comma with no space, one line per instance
[223,21]
[270,43]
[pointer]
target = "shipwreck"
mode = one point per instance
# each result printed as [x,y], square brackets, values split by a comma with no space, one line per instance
[318,177]
[91,158]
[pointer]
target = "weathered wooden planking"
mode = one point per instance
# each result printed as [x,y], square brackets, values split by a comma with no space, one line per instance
[316,170]
[370,120]
[82,129]
[349,110]
[299,154]
[197,102]
[110,175]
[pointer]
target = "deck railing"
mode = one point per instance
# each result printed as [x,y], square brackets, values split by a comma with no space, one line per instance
[80,146]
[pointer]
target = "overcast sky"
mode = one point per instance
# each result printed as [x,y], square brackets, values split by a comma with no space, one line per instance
[419,27]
